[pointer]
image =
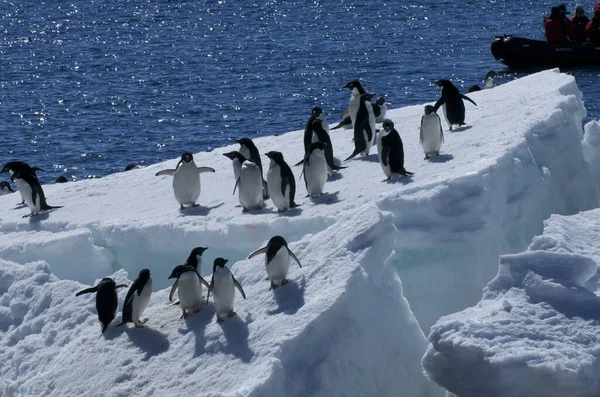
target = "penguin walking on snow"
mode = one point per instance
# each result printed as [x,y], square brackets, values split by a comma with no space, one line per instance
[391,156]
[107,301]
[249,150]
[363,118]
[315,169]
[186,180]
[189,283]
[431,136]
[5,188]
[452,101]
[281,182]
[32,193]
[222,285]
[13,167]
[137,300]
[277,260]
[251,186]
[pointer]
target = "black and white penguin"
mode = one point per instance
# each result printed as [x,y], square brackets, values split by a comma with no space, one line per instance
[195,258]
[315,169]
[489,80]
[431,136]
[277,260]
[474,88]
[61,179]
[322,135]
[186,180]
[32,193]
[380,109]
[250,185]
[5,188]
[222,286]
[107,301]
[391,157]
[249,150]
[452,101]
[363,118]
[130,166]
[281,182]
[13,167]
[309,134]
[137,299]
[189,283]
[237,159]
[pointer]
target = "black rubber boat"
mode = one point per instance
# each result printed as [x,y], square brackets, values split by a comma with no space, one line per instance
[518,52]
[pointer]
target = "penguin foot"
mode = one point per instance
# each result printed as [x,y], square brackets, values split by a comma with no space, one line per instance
[195,205]
[181,207]
[284,281]
[219,320]
[231,314]
[27,216]
[426,157]
[139,325]
[184,315]
[273,286]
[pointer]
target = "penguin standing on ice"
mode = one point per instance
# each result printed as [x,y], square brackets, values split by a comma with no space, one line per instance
[363,118]
[431,136]
[315,169]
[13,167]
[5,188]
[107,301]
[277,260]
[237,159]
[222,285]
[391,157]
[452,101]
[251,186]
[137,300]
[189,282]
[323,136]
[32,193]
[309,134]
[281,182]
[489,80]
[249,150]
[186,180]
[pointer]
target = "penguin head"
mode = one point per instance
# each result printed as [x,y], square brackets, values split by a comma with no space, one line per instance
[277,241]
[275,156]
[318,145]
[367,97]
[234,155]
[195,257]
[387,125]
[491,74]
[144,275]
[198,251]
[245,142]
[5,185]
[380,101]
[61,179]
[355,85]
[179,270]
[187,157]
[428,109]
[443,83]
[317,112]
[220,262]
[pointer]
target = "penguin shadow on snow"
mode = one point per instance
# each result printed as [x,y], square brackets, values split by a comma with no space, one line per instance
[39,217]
[460,129]
[199,210]
[289,297]
[151,341]
[296,211]
[196,323]
[326,198]
[373,158]
[404,180]
[236,333]
[442,158]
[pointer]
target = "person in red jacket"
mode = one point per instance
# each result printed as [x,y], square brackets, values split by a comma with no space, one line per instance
[557,27]
[580,21]
[592,30]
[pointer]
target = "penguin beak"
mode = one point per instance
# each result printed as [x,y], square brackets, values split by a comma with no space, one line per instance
[238,141]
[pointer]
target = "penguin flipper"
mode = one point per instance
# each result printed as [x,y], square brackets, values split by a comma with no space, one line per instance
[468,99]
[385,152]
[329,171]
[266,195]
[236,185]
[299,163]
[104,327]
[259,251]
[173,289]
[354,154]
[202,280]
[212,285]
[294,256]
[87,291]
[166,172]
[238,286]
[202,170]
[439,103]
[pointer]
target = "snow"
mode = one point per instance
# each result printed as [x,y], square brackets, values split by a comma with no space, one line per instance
[346,324]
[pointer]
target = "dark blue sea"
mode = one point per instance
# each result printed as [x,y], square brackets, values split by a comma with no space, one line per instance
[88,87]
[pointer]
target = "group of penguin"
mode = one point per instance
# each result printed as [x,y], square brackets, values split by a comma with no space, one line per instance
[188,284]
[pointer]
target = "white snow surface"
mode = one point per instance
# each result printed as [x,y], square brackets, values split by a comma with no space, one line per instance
[346,324]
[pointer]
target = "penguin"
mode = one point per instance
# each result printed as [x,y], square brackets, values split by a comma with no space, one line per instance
[13,167]
[186,180]
[323,136]
[195,258]
[137,300]
[61,179]
[130,167]
[489,80]
[281,182]
[363,118]
[237,159]
[392,152]
[315,169]
[107,301]
[452,101]
[222,284]
[277,260]
[380,109]
[5,188]
[309,134]
[189,282]
[431,136]
[249,150]
[250,183]
[474,88]
[32,192]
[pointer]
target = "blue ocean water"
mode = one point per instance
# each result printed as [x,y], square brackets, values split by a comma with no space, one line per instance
[89,87]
